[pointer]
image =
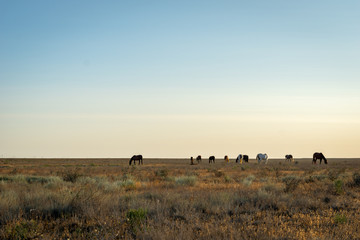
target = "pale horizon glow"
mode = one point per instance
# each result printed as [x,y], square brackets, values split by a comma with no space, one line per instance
[179,79]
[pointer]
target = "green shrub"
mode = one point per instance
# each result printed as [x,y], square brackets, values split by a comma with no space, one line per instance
[36,179]
[340,219]
[291,182]
[356,179]
[339,187]
[218,173]
[29,179]
[186,180]
[127,184]
[23,230]
[227,179]
[271,188]
[248,180]
[5,179]
[318,177]
[135,218]
[163,173]
[71,175]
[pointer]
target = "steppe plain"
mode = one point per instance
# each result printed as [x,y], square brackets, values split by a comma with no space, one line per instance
[171,199]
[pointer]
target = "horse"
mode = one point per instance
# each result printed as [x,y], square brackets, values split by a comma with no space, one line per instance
[226,158]
[211,159]
[136,158]
[198,159]
[239,159]
[262,157]
[191,161]
[246,158]
[319,156]
[289,158]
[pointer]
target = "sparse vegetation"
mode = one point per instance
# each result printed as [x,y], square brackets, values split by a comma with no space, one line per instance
[135,218]
[172,200]
[356,179]
[248,180]
[339,187]
[291,182]
[186,180]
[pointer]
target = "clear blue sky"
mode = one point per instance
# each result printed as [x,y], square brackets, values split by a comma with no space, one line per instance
[179,78]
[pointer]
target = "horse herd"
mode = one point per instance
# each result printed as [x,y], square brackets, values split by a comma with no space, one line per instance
[240,158]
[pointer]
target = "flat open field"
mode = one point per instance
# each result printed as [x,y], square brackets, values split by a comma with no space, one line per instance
[171,199]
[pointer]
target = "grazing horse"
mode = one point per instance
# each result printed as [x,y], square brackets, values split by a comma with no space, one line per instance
[211,159]
[262,157]
[246,158]
[319,156]
[191,161]
[226,158]
[239,159]
[289,158]
[198,159]
[136,158]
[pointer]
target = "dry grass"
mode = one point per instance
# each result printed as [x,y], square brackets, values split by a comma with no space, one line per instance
[171,199]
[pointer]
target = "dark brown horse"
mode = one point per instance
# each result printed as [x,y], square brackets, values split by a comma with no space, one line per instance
[198,159]
[289,158]
[211,159]
[319,156]
[136,158]
[246,158]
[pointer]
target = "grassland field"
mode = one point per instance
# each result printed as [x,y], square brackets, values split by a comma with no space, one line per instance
[97,198]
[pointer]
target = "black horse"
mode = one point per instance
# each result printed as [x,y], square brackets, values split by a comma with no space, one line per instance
[212,159]
[289,158]
[246,158]
[198,159]
[136,158]
[319,156]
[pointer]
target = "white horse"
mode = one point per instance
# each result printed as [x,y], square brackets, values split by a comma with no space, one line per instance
[262,157]
[239,159]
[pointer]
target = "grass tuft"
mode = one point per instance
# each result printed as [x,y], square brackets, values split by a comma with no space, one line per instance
[186,180]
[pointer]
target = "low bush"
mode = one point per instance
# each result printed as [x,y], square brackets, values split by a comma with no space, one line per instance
[356,179]
[127,184]
[218,173]
[338,187]
[228,179]
[248,180]
[71,175]
[135,218]
[291,182]
[23,230]
[162,173]
[340,219]
[186,180]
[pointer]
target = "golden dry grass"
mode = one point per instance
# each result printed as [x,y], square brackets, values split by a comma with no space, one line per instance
[171,199]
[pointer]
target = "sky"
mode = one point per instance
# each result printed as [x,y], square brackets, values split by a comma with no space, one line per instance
[179,78]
